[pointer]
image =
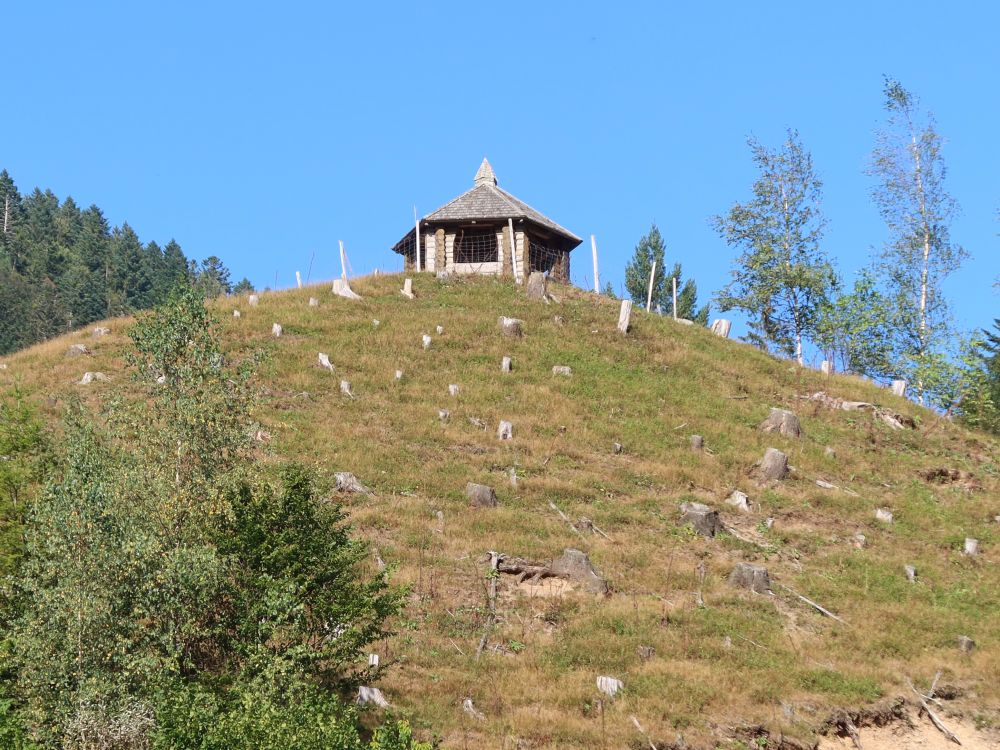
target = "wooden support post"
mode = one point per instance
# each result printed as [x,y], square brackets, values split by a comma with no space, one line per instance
[674,280]
[513,250]
[597,280]
[416,237]
[649,294]
[343,261]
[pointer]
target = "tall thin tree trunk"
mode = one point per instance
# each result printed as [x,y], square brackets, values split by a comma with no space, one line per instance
[925,265]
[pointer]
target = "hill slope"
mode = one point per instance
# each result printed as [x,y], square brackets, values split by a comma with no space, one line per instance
[708,672]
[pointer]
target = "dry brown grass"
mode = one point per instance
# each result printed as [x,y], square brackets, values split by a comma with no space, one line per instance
[650,391]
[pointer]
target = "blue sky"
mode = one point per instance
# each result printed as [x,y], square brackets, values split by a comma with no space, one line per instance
[263,133]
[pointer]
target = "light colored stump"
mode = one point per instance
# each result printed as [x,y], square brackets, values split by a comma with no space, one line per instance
[575,566]
[617,448]
[99,331]
[739,500]
[883,515]
[298,279]
[313,302]
[783,422]
[721,327]
[505,431]
[252,300]
[563,370]
[477,422]
[373,660]
[399,374]
[898,387]
[751,577]
[276,330]
[161,380]
[439,330]
[536,288]
[512,477]
[774,465]
[703,519]
[513,327]
[859,541]
[77,350]
[371,695]
[407,290]
[826,367]
[505,364]
[345,388]
[965,644]
[453,389]
[376,323]
[829,452]
[481,495]
[645,652]
[971,548]
[236,313]
[342,288]
[426,340]
[697,443]
[624,315]
[347,482]
[911,573]
[91,377]
[610,686]
[324,361]
[444,415]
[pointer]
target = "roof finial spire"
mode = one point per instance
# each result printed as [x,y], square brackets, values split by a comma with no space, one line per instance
[485,174]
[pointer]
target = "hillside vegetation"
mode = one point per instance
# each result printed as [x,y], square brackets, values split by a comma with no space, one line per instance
[698,658]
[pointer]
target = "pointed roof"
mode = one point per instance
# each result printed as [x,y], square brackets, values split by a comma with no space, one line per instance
[485,200]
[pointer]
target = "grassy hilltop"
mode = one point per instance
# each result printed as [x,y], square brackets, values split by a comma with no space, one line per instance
[742,660]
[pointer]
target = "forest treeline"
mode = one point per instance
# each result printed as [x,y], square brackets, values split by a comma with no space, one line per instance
[62,267]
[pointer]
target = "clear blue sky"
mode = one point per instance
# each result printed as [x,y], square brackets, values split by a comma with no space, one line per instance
[264,132]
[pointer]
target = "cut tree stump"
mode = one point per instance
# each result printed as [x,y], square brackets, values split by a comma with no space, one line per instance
[91,377]
[966,645]
[751,577]
[783,422]
[617,448]
[371,695]
[236,313]
[324,361]
[345,388]
[883,515]
[774,465]
[624,316]
[703,519]
[444,415]
[898,388]
[505,364]
[697,443]
[99,331]
[721,327]
[562,370]
[407,290]
[313,302]
[471,710]
[610,686]
[537,286]
[859,541]
[453,389]
[513,327]
[505,431]
[439,330]
[342,288]
[426,341]
[252,300]
[399,374]
[481,495]
[77,350]
[971,548]
[911,573]
[575,566]
[276,330]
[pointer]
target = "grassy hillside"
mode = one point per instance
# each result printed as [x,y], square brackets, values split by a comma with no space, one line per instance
[741,660]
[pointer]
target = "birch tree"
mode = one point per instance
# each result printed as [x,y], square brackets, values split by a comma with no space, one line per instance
[919,253]
[782,277]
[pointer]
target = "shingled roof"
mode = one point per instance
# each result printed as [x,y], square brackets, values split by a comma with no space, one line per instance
[487,201]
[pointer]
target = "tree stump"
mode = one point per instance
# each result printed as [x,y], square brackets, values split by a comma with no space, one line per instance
[562,370]
[407,290]
[371,695]
[697,443]
[313,302]
[911,573]
[512,327]
[624,316]
[439,330]
[399,374]
[324,361]
[453,389]
[721,327]
[343,289]
[91,377]
[703,519]
[505,431]
[537,286]
[610,686]
[236,313]
[774,465]
[444,415]
[575,566]
[883,515]
[276,330]
[751,577]
[826,367]
[966,645]
[345,388]
[783,422]
[99,331]
[347,482]
[426,341]
[645,652]
[971,548]
[252,300]
[480,495]
[898,388]
[77,350]
[505,364]
[617,448]
[859,541]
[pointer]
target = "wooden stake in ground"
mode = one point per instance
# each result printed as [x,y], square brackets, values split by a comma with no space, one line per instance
[491,603]
[674,282]
[649,294]
[597,280]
